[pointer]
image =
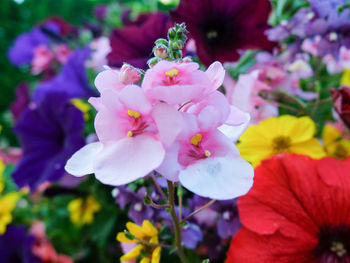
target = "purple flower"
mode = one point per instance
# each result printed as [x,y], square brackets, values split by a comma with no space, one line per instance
[22,100]
[228,223]
[22,50]
[100,11]
[138,211]
[134,43]
[222,27]
[49,133]
[323,20]
[16,246]
[71,80]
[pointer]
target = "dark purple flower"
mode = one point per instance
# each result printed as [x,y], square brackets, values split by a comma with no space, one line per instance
[138,211]
[71,80]
[133,44]
[22,100]
[16,246]
[222,27]
[49,133]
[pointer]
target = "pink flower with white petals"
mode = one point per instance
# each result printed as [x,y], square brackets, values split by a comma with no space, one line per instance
[62,53]
[42,59]
[132,136]
[205,161]
[176,83]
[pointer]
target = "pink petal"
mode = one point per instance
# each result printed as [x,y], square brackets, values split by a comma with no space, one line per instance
[128,159]
[108,79]
[169,122]
[134,98]
[81,163]
[216,74]
[170,167]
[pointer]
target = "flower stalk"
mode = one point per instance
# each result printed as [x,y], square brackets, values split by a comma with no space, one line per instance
[177,226]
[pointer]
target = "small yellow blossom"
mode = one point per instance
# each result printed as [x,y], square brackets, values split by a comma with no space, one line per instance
[334,144]
[148,233]
[7,204]
[83,107]
[275,135]
[82,212]
[345,79]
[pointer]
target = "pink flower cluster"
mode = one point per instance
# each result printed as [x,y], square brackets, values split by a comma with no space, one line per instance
[44,57]
[177,123]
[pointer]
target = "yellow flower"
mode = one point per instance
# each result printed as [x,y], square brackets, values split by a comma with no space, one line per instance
[148,233]
[334,144]
[7,204]
[82,212]
[276,135]
[83,107]
[345,79]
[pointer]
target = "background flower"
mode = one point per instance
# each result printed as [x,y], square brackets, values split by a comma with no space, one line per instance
[222,27]
[297,211]
[49,133]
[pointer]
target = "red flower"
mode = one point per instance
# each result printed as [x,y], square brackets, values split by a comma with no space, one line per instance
[222,27]
[341,98]
[134,43]
[298,211]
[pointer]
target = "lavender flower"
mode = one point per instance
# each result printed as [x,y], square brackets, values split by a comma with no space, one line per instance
[138,211]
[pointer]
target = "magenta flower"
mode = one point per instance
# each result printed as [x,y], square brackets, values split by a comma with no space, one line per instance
[132,137]
[222,27]
[132,43]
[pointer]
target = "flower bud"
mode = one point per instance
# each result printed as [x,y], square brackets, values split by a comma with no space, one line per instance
[171,33]
[129,74]
[161,41]
[177,45]
[176,54]
[147,200]
[161,51]
[152,61]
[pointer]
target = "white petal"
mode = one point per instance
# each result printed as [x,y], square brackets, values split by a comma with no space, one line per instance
[81,163]
[219,178]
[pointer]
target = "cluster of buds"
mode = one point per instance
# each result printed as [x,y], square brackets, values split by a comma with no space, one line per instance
[170,49]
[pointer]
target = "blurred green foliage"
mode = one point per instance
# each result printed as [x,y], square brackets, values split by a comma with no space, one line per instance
[18,18]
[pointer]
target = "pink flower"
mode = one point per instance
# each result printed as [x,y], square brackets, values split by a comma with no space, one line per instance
[245,96]
[62,53]
[132,136]
[311,45]
[206,161]
[175,83]
[100,48]
[42,59]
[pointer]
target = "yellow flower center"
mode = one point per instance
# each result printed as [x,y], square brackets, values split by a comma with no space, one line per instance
[340,152]
[281,144]
[171,73]
[134,114]
[195,140]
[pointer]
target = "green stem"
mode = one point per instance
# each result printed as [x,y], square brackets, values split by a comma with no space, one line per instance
[177,227]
